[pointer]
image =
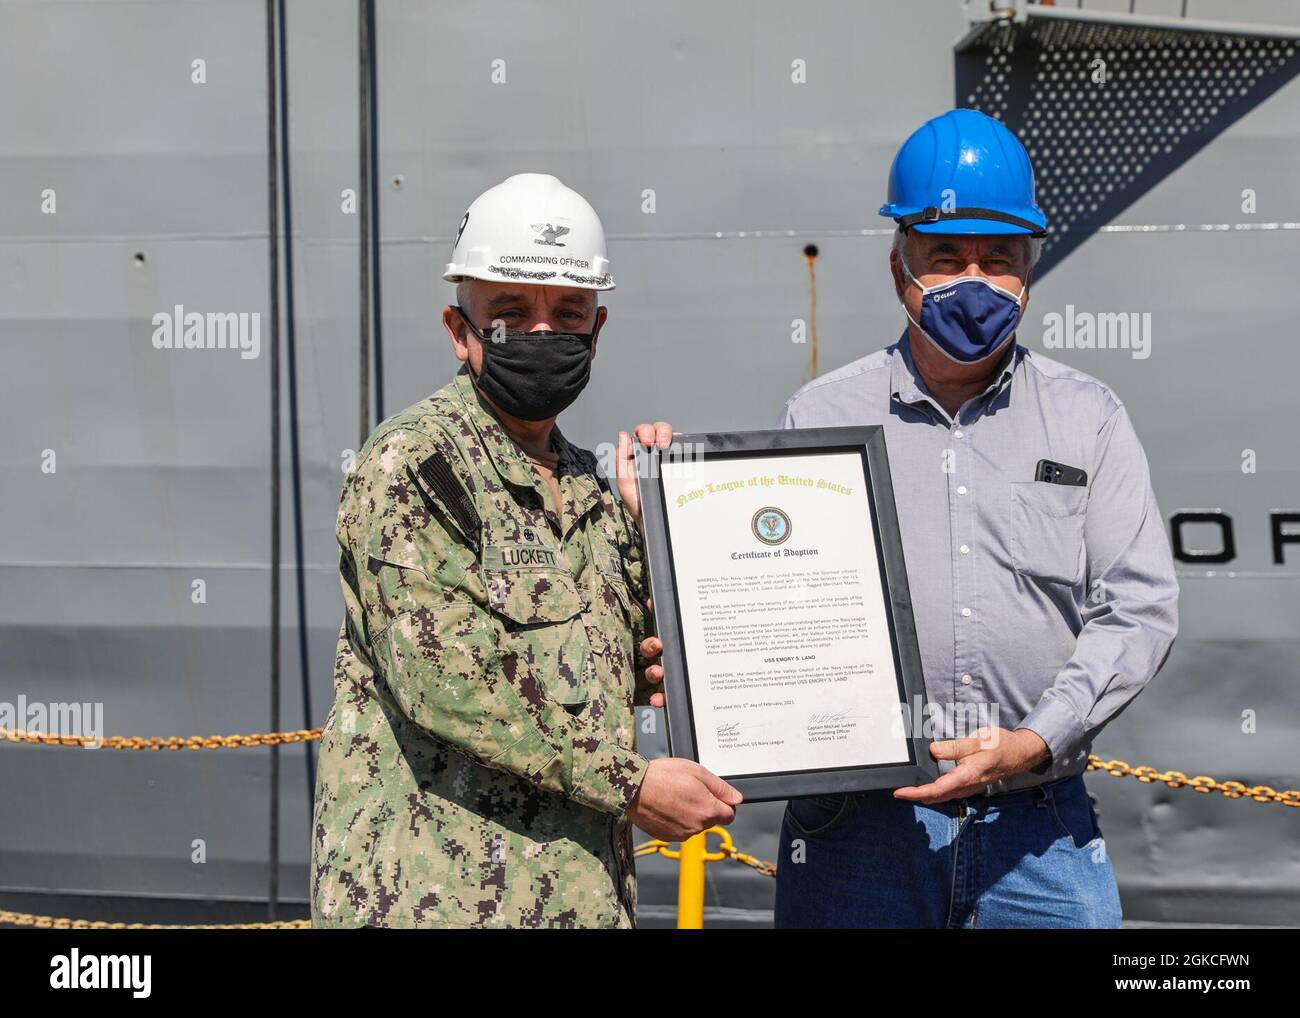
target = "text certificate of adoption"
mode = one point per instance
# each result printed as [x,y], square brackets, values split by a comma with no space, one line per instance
[782,613]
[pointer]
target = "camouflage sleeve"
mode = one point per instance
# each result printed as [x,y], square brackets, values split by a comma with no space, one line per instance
[637,574]
[444,659]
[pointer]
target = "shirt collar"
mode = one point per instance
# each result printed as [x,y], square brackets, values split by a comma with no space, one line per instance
[507,457]
[907,386]
[904,384]
[575,470]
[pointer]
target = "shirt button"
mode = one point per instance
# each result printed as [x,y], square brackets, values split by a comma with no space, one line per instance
[961,489]
[965,613]
[957,433]
[965,549]
[966,680]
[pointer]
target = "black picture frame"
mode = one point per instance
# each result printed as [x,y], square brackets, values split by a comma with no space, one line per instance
[869,442]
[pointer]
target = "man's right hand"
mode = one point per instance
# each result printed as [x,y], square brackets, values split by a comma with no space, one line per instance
[651,648]
[679,798]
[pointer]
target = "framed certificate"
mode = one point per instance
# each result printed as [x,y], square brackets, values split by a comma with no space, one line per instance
[790,659]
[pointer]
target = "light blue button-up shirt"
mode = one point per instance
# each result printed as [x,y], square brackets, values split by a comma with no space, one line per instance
[1038,605]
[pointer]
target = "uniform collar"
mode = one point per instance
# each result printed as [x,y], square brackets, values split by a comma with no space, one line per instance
[575,470]
[507,457]
[578,479]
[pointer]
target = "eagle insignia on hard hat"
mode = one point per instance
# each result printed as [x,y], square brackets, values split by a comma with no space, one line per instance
[505,221]
[548,234]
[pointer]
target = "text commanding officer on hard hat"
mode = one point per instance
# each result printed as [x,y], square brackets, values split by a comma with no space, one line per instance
[478,767]
[1040,574]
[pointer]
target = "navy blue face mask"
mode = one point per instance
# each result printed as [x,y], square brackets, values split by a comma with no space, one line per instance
[967,318]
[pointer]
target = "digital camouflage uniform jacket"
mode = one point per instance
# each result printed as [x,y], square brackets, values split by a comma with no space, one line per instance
[479,756]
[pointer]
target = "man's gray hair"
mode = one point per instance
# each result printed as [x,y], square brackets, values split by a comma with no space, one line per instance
[1033,246]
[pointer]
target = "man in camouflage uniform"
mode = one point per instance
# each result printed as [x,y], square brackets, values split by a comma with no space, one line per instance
[478,767]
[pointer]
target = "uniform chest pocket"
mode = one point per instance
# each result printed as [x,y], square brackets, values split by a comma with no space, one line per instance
[622,597]
[1047,530]
[541,611]
[613,584]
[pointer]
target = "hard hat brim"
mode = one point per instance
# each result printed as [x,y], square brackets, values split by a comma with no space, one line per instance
[1032,221]
[972,227]
[570,280]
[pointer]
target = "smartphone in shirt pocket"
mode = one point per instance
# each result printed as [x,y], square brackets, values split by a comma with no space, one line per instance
[1047,517]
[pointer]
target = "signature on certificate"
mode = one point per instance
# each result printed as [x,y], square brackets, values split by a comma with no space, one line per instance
[833,717]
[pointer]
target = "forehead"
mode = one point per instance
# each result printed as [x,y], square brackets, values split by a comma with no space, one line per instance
[490,294]
[984,246]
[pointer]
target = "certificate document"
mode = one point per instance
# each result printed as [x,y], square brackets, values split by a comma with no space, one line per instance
[785,585]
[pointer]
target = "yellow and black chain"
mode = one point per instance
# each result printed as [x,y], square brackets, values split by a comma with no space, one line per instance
[1115,768]
[726,850]
[1177,779]
[45,922]
[163,742]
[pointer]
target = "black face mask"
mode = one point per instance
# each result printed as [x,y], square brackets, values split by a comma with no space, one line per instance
[532,375]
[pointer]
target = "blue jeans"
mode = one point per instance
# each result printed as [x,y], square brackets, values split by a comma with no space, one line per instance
[1033,858]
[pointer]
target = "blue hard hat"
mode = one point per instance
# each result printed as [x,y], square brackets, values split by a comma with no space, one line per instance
[964,172]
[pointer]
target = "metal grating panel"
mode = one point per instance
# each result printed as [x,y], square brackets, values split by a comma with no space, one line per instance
[1108,110]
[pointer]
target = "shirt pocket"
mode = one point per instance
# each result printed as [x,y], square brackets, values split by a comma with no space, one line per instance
[1047,530]
[609,572]
[622,597]
[622,617]
[619,626]
[541,610]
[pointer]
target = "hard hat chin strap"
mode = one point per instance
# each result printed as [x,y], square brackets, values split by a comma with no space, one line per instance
[934,214]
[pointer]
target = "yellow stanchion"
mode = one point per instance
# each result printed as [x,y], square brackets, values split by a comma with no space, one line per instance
[690,884]
[691,859]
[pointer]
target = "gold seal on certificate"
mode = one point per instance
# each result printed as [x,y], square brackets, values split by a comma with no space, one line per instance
[790,654]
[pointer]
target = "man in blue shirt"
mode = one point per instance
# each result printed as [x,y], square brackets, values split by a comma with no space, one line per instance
[1043,606]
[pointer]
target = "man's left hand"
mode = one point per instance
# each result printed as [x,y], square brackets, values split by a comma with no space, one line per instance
[989,755]
[661,434]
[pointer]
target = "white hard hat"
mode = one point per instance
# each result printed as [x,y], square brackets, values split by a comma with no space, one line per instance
[530,228]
